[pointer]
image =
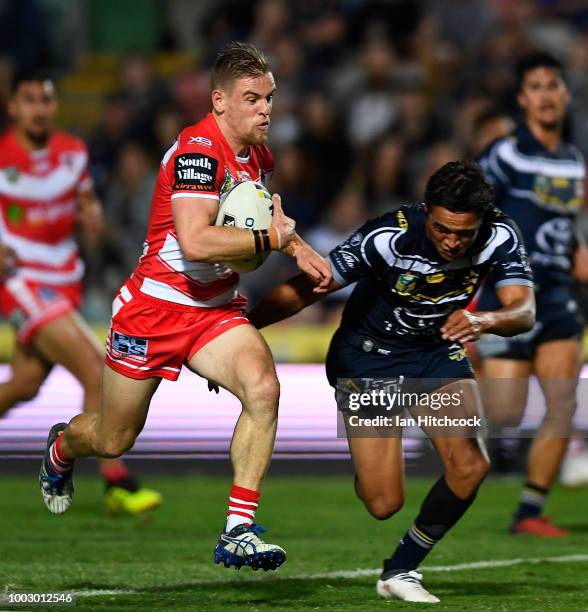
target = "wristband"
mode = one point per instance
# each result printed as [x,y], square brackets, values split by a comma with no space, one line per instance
[257,240]
[266,240]
[274,238]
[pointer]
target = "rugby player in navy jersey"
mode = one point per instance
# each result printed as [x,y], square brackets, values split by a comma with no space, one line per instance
[538,180]
[416,271]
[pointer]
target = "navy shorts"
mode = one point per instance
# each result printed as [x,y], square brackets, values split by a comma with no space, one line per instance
[553,322]
[352,355]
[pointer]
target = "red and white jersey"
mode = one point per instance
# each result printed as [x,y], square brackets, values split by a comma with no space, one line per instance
[200,164]
[38,197]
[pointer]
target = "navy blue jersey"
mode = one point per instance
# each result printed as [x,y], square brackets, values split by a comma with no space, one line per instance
[542,192]
[405,289]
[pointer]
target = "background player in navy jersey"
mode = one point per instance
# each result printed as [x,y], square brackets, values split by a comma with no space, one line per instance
[417,270]
[538,180]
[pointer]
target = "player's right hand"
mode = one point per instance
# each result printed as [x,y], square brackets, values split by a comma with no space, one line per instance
[463,326]
[7,260]
[285,226]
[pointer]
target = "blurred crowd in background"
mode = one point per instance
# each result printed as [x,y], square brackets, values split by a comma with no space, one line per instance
[373,96]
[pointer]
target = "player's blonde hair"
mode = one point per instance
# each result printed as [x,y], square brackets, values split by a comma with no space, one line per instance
[235,61]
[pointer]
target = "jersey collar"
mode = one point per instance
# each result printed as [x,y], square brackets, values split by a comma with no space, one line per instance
[529,145]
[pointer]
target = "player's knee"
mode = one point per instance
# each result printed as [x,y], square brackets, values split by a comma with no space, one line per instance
[383,506]
[29,392]
[506,414]
[510,418]
[26,389]
[470,466]
[262,389]
[113,446]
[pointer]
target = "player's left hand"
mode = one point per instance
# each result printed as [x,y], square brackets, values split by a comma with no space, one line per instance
[317,267]
[90,216]
[7,259]
[463,326]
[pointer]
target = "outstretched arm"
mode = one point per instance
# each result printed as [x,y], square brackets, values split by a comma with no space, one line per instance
[311,263]
[580,261]
[287,299]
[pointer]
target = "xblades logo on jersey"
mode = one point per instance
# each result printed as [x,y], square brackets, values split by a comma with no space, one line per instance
[200,140]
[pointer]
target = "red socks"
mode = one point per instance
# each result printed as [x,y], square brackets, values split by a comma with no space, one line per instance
[114,472]
[57,460]
[242,506]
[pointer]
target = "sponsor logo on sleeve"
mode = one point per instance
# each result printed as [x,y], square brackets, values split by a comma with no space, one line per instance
[194,172]
[524,258]
[350,259]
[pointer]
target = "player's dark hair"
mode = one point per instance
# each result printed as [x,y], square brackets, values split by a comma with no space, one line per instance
[237,60]
[460,187]
[488,115]
[537,59]
[30,75]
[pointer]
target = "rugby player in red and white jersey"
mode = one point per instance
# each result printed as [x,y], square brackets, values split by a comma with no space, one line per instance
[181,305]
[45,191]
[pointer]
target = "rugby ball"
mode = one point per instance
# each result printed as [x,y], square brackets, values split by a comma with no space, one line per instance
[247,205]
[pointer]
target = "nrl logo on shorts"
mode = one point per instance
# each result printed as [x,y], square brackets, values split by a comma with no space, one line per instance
[406,283]
[457,352]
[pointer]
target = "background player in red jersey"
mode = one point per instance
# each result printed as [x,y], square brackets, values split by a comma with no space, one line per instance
[45,191]
[181,305]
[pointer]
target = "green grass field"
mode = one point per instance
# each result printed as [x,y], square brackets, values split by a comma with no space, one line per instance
[165,562]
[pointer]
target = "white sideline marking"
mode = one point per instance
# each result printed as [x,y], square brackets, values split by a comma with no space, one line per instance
[358,573]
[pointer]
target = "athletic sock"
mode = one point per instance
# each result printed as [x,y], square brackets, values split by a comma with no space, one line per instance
[242,506]
[117,475]
[57,460]
[531,502]
[441,509]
